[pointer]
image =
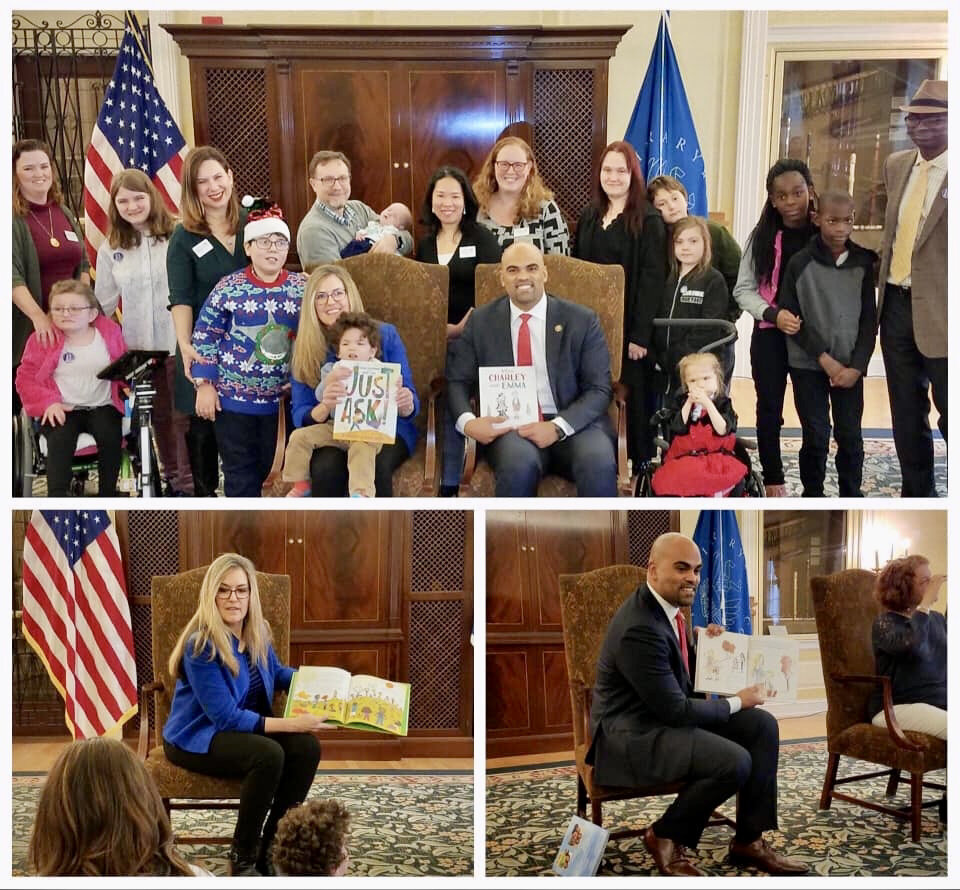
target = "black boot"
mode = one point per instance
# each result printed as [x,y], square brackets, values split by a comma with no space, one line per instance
[243,864]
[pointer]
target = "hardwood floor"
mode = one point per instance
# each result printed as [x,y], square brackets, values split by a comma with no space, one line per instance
[37,755]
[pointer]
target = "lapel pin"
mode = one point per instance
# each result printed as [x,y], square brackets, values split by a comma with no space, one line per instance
[558,328]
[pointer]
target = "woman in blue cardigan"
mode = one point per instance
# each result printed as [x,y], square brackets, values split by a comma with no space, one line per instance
[221,721]
[331,291]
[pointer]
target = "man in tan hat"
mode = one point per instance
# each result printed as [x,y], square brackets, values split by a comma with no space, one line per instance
[913,286]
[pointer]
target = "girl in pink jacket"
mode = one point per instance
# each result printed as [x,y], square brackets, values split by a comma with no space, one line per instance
[58,384]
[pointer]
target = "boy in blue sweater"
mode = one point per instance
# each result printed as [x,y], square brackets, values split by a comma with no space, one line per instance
[245,334]
[830,286]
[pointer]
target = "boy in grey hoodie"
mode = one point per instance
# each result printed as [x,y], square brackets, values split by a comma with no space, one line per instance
[831,286]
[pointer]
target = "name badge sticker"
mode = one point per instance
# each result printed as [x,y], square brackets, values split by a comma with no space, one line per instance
[521,232]
[203,248]
[468,251]
[70,235]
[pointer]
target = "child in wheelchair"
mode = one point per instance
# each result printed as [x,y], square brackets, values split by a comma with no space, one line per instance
[702,459]
[58,384]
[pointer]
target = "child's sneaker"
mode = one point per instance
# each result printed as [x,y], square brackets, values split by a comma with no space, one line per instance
[299,490]
[359,494]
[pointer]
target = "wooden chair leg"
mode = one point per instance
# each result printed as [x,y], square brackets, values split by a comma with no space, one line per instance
[916,805]
[833,763]
[581,798]
[596,810]
[893,782]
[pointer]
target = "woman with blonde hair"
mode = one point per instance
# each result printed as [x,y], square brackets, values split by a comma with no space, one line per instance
[100,814]
[514,202]
[204,247]
[221,721]
[132,274]
[330,292]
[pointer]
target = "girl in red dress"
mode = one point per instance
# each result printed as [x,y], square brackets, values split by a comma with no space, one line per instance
[700,461]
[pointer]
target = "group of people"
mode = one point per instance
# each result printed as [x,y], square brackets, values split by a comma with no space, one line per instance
[648,726]
[213,289]
[100,812]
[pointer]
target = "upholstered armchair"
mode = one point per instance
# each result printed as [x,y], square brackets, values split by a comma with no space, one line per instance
[600,288]
[588,602]
[412,297]
[173,601]
[845,608]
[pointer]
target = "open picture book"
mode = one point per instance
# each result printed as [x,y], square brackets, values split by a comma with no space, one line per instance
[356,701]
[581,849]
[730,662]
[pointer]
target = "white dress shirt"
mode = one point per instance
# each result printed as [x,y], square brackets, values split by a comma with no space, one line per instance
[671,612]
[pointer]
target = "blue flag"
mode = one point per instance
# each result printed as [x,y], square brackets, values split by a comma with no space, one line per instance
[723,596]
[661,128]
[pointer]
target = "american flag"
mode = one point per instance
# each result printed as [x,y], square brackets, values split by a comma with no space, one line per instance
[77,618]
[134,129]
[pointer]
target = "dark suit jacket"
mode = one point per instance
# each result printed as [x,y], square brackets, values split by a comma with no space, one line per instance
[578,361]
[643,699]
[928,272]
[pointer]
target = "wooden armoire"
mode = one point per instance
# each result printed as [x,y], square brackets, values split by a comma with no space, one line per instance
[399,102]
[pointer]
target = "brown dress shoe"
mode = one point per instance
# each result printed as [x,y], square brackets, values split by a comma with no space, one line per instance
[761,855]
[671,858]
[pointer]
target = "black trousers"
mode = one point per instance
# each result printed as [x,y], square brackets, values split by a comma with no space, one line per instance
[814,398]
[328,470]
[768,363]
[277,772]
[909,376]
[737,756]
[203,455]
[247,444]
[104,424]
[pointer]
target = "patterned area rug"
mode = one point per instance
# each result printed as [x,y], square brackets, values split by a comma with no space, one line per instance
[881,471]
[408,824]
[528,810]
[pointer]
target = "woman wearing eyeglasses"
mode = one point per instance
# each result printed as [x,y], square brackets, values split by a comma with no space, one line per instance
[221,719]
[514,203]
[203,248]
[331,291]
[244,338]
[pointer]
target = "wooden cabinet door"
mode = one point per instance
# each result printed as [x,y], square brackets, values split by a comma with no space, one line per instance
[507,572]
[260,536]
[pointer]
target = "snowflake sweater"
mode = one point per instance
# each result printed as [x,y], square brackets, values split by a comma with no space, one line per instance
[246,329]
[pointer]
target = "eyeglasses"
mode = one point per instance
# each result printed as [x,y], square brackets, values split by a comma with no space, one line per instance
[327,181]
[69,310]
[274,243]
[516,166]
[322,296]
[241,593]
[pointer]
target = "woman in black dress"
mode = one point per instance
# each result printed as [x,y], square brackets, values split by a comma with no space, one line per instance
[458,242]
[621,227]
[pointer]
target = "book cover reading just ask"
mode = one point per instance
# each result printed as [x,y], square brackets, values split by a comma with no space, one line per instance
[368,412]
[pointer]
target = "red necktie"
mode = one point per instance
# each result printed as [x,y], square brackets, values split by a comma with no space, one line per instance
[682,632]
[525,348]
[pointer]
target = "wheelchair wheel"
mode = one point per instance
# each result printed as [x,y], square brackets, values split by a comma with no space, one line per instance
[23,456]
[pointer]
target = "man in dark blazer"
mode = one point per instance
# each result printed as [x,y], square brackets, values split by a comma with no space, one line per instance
[569,351]
[913,286]
[649,727]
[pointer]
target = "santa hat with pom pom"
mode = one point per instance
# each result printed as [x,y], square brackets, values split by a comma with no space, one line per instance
[263,218]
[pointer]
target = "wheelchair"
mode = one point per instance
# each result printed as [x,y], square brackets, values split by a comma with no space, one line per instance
[752,484]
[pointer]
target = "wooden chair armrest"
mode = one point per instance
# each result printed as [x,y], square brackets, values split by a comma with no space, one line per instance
[469,459]
[893,727]
[624,480]
[437,386]
[143,743]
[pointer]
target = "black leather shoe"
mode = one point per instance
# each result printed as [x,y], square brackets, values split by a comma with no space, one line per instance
[243,865]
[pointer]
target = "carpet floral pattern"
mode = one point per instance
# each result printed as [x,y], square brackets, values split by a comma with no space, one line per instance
[528,810]
[410,824]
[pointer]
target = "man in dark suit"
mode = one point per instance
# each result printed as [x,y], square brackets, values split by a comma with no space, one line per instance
[565,344]
[913,286]
[649,727]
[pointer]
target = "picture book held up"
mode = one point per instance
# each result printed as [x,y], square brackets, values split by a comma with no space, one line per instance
[730,662]
[581,850]
[511,392]
[368,412]
[355,701]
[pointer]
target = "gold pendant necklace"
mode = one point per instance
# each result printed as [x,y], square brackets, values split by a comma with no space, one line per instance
[54,242]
